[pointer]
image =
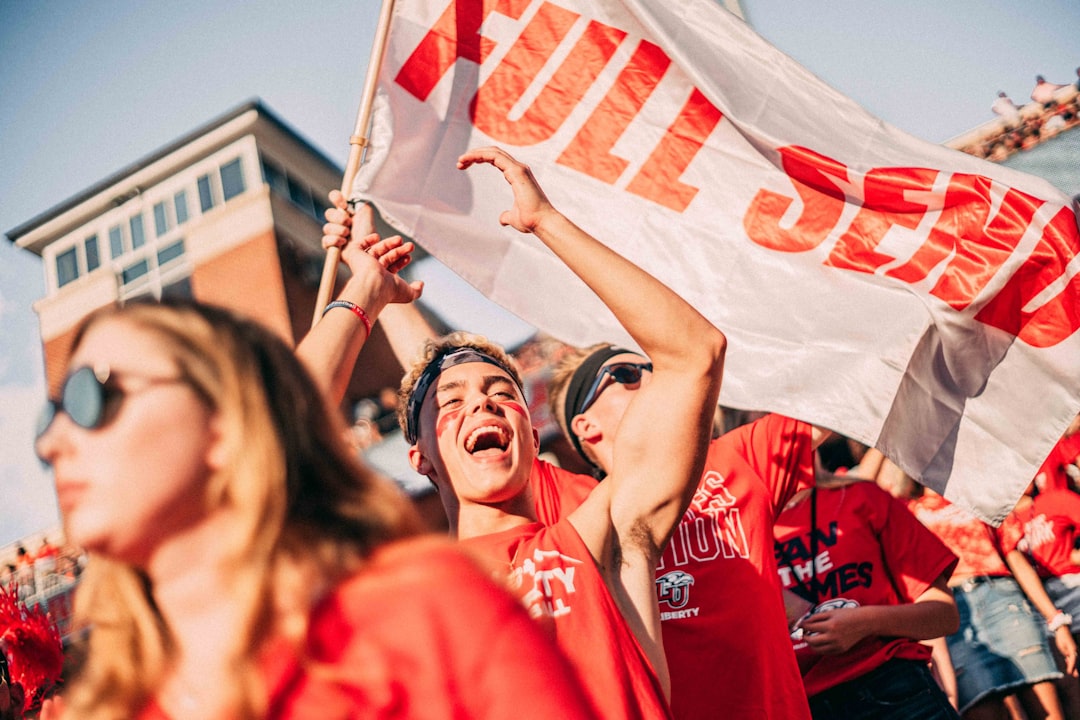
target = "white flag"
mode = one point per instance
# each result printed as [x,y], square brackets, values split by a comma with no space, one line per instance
[901,293]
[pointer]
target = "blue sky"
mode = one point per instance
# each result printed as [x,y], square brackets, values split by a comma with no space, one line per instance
[89,87]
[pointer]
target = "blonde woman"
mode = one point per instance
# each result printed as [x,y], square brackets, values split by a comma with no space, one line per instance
[243,565]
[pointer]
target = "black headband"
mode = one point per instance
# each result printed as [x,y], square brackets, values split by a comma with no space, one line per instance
[579,385]
[445,358]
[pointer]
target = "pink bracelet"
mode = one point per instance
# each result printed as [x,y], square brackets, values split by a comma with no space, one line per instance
[356,310]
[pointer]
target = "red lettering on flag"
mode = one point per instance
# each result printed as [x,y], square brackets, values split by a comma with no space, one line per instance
[590,150]
[980,248]
[823,202]
[884,205]
[491,106]
[456,34]
[658,179]
[1056,319]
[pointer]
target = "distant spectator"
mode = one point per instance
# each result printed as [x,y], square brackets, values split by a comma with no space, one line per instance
[1006,108]
[24,572]
[1078,79]
[1044,91]
[47,550]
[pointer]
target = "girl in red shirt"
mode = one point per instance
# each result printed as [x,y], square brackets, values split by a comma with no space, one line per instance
[875,580]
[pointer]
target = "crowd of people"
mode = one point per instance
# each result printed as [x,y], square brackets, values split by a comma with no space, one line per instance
[33,572]
[691,574]
[1053,108]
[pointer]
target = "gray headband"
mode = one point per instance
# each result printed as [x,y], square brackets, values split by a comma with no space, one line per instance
[446,358]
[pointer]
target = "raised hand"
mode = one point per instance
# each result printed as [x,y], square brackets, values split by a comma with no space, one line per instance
[390,255]
[531,205]
[833,632]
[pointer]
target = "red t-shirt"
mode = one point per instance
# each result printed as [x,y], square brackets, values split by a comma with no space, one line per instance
[553,573]
[1052,475]
[870,551]
[725,632]
[557,492]
[422,632]
[977,544]
[1046,531]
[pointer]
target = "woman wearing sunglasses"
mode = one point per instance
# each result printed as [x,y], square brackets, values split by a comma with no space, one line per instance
[243,564]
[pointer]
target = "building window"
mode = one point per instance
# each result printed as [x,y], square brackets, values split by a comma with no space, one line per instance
[206,194]
[157,274]
[275,178]
[170,252]
[93,258]
[116,240]
[300,195]
[161,219]
[180,200]
[138,235]
[232,179]
[134,272]
[67,267]
[321,206]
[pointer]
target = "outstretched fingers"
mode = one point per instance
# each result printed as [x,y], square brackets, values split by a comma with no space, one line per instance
[393,253]
[530,202]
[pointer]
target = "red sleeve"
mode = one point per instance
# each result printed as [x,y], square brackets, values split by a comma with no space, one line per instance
[914,556]
[427,634]
[557,492]
[780,449]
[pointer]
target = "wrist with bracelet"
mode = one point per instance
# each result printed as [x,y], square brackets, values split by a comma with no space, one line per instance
[354,309]
[1058,621]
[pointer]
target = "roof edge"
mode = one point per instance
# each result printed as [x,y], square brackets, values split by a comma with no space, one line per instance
[255,104]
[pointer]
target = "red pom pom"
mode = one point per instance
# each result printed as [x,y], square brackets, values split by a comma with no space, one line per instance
[32,641]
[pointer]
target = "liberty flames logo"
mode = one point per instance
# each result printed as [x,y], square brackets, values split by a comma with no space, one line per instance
[673,588]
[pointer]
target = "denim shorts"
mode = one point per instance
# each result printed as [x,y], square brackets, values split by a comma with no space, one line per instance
[1001,645]
[898,689]
[1066,596]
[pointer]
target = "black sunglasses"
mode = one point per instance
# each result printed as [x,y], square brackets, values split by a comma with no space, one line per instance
[624,373]
[90,397]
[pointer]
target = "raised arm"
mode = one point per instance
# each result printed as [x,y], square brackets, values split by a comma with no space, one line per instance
[661,442]
[330,349]
[662,439]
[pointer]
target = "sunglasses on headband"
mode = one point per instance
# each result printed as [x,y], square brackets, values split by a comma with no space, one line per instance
[90,398]
[624,373]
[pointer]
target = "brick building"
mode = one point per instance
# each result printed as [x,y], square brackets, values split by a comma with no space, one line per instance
[230,214]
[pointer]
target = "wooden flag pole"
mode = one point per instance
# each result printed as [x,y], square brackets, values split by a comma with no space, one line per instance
[358,142]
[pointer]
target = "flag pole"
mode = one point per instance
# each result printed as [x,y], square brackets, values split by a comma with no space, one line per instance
[358,142]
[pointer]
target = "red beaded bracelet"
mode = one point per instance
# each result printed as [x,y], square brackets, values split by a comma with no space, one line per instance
[356,310]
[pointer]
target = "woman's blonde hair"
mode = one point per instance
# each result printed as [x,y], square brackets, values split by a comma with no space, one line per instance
[309,510]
